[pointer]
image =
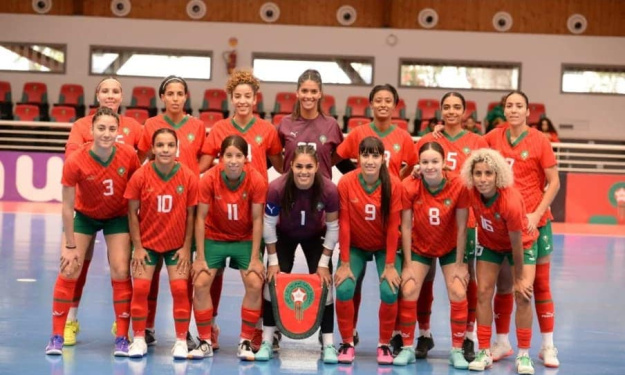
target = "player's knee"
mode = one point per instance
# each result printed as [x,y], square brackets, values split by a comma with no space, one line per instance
[345,291]
[253,283]
[201,283]
[457,292]
[485,292]
[409,290]
[386,293]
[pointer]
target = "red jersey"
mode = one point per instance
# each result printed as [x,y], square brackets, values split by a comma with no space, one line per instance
[529,155]
[230,206]
[129,133]
[434,228]
[261,137]
[398,146]
[191,134]
[501,214]
[100,185]
[457,150]
[163,202]
[360,217]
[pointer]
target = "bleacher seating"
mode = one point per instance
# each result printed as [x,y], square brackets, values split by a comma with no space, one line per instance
[144,97]
[210,118]
[285,102]
[354,122]
[275,119]
[215,100]
[63,114]
[259,107]
[357,106]
[400,110]
[37,93]
[426,109]
[328,105]
[537,112]
[470,110]
[6,101]
[139,114]
[73,95]
[400,123]
[27,112]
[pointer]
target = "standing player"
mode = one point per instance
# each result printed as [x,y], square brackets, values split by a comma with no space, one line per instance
[229,224]
[162,197]
[262,140]
[434,225]
[369,219]
[94,180]
[503,235]
[294,215]
[108,94]
[458,144]
[533,162]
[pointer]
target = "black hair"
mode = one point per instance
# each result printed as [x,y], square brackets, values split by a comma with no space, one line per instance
[104,111]
[172,79]
[551,128]
[384,87]
[290,189]
[527,101]
[164,131]
[308,75]
[236,141]
[373,145]
[457,95]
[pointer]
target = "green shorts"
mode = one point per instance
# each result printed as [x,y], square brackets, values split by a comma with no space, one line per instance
[446,259]
[469,251]
[168,257]
[86,225]
[487,255]
[545,240]
[240,254]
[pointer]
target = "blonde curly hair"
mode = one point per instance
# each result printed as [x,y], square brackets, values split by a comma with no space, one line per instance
[495,162]
[242,77]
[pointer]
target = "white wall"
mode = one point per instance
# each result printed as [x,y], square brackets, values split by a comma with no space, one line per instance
[593,116]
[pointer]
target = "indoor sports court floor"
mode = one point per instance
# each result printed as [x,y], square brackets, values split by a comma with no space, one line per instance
[588,281]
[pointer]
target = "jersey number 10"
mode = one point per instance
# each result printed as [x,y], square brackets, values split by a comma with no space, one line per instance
[164,203]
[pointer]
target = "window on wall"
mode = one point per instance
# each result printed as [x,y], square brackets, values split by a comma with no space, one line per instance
[459,75]
[339,70]
[150,63]
[32,57]
[593,79]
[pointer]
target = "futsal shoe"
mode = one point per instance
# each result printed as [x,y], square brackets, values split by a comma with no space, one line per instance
[347,353]
[549,356]
[406,356]
[55,345]
[204,350]
[468,349]
[329,355]
[121,347]
[524,365]
[138,348]
[150,337]
[397,344]
[244,352]
[180,350]
[70,332]
[384,355]
[424,345]
[482,361]
[277,337]
[265,352]
[456,359]
[501,350]
[191,344]
[257,339]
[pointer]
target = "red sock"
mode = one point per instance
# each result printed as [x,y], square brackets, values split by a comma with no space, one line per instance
[407,321]
[424,304]
[122,295]
[61,302]
[190,290]
[503,306]
[483,336]
[387,315]
[139,306]
[458,320]
[80,283]
[357,298]
[152,300]
[216,287]
[345,319]
[204,323]
[471,304]
[182,308]
[524,337]
[545,310]
[249,318]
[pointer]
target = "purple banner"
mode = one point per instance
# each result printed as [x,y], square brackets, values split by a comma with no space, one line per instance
[30,176]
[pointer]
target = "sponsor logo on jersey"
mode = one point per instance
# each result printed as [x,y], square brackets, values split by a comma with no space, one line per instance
[180,189]
[525,154]
[121,171]
[353,200]
[90,178]
[126,131]
[271,209]
[294,134]
[258,139]
[396,147]
[217,196]
[419,202]
[244,196]
[191,137]
[466,150]
[323,139]
[447,202]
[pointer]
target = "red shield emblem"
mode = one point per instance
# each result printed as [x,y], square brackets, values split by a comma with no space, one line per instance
[298,301]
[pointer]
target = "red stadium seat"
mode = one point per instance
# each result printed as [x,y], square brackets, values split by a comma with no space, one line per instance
[37,93]
[285,103]
[492,106]
[426,109]
[470,110]
[537,112]
[357,121]
[275,119]
[400,110]
[63,114]
[6,101]
[138,114]
[210,118]
[259,107]
[215,100]
[26,112]
[328,105]
[73,95]
[357,106]
[144,97]
[401,123]
[92,110]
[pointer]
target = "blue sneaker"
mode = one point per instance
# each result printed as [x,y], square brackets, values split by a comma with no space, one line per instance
[121,347]
[55,346]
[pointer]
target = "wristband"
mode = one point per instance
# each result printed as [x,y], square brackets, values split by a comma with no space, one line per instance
[272,259]
[324,261]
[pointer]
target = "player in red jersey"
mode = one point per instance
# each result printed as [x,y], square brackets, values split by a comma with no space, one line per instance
[369,219]
[458,144]
[108,94]
[94,180]
[229,224]
[162,197]
[434,225]
[535,169]
[263,142]
[503,236]
[302,209]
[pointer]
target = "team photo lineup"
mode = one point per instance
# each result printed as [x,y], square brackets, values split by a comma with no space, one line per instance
[167,194]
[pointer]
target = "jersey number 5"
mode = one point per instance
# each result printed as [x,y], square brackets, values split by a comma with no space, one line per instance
[452,160]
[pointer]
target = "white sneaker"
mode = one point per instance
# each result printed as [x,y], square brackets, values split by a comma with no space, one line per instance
[549,355]
[500,351]
[482,361]
[138,348]
[524,365]
[204,350]
[179,350]
[245,352]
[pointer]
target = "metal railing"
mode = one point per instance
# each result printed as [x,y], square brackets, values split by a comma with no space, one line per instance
[33,136]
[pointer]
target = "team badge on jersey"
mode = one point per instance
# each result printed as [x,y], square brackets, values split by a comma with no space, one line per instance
[180,189]
[466,150]
[298,302]
[396,147]
[191,137]
[524,154]
[258,139]
[497,216]
[126,131]
[121,171]
[320,206]
[323,139]
[447,202]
